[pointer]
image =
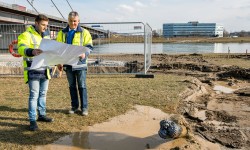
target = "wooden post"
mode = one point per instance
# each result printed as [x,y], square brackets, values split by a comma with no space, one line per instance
[246,52]
[228,53]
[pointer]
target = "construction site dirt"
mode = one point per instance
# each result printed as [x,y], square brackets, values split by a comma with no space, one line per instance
[217,105]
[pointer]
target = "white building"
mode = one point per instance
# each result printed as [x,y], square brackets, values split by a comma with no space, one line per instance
[192,29]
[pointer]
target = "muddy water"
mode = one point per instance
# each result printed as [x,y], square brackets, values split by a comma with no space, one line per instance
[223,89]
[231,106]
[136,130]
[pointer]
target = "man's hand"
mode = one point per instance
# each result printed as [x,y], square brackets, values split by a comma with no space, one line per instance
[82,56]
[60,67]
[36,52]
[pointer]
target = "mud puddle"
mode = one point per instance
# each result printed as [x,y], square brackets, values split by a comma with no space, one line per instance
[222,114]
[223,89]
[135,130]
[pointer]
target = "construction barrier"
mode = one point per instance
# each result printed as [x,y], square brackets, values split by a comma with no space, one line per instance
[119,47]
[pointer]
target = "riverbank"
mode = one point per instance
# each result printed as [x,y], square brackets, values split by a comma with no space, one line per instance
[175,40]
[201,40]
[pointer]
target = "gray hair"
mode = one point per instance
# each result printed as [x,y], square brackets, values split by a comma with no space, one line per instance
[73,14]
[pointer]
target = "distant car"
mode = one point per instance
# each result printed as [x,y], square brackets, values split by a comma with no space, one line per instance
[96,36]
[216,35]
[102,36]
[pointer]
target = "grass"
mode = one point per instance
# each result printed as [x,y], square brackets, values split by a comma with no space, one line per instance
[217,59]
[140,39]
[109,96]
[228,60]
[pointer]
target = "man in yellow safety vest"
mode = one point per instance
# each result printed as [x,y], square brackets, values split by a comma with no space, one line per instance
[38,79]
[76,74]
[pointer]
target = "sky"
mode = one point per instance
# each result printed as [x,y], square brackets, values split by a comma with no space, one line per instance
[234,15]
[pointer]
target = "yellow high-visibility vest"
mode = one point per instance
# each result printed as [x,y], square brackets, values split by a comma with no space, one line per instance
[82,37]
[29,40]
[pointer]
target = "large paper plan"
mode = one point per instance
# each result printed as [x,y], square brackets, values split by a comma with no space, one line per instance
[57,53]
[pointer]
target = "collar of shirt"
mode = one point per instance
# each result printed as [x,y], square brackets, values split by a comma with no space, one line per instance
[72,29]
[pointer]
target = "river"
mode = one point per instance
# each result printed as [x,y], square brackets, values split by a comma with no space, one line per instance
[172,48]
[169,48]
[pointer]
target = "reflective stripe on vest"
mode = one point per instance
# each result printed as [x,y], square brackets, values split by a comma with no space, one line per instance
[41,68]
[35,46]
[27,58]
[34,40]
[81,39]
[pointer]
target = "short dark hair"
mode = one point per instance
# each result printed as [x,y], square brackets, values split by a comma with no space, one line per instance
[73,14]
[41,17]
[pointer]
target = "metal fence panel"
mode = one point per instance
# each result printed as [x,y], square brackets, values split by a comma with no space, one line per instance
[147,47]
[119,47]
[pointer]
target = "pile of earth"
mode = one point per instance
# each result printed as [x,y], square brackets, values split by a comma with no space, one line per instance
[162,63]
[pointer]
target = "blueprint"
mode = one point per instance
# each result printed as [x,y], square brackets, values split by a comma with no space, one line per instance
[57,53]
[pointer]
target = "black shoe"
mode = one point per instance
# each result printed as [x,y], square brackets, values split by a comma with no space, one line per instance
[45,119]
[33,126]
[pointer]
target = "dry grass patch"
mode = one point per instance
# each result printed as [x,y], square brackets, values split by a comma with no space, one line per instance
[109,96]
[243,63]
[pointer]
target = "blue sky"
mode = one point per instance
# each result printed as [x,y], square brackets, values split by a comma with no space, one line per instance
[234,15]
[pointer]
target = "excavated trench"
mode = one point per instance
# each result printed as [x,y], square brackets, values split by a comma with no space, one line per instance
[217,105]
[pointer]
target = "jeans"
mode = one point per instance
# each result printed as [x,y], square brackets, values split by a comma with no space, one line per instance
[79,77]
[37,99]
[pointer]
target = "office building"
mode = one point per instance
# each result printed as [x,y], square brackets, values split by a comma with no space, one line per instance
[192,29]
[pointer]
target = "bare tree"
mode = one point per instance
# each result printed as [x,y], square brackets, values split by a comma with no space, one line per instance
[242,33]
[155,33]
[225,33]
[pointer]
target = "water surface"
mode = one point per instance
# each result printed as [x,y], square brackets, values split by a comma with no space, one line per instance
[172,48]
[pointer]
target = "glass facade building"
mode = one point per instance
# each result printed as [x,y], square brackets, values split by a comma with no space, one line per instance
[192,29]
